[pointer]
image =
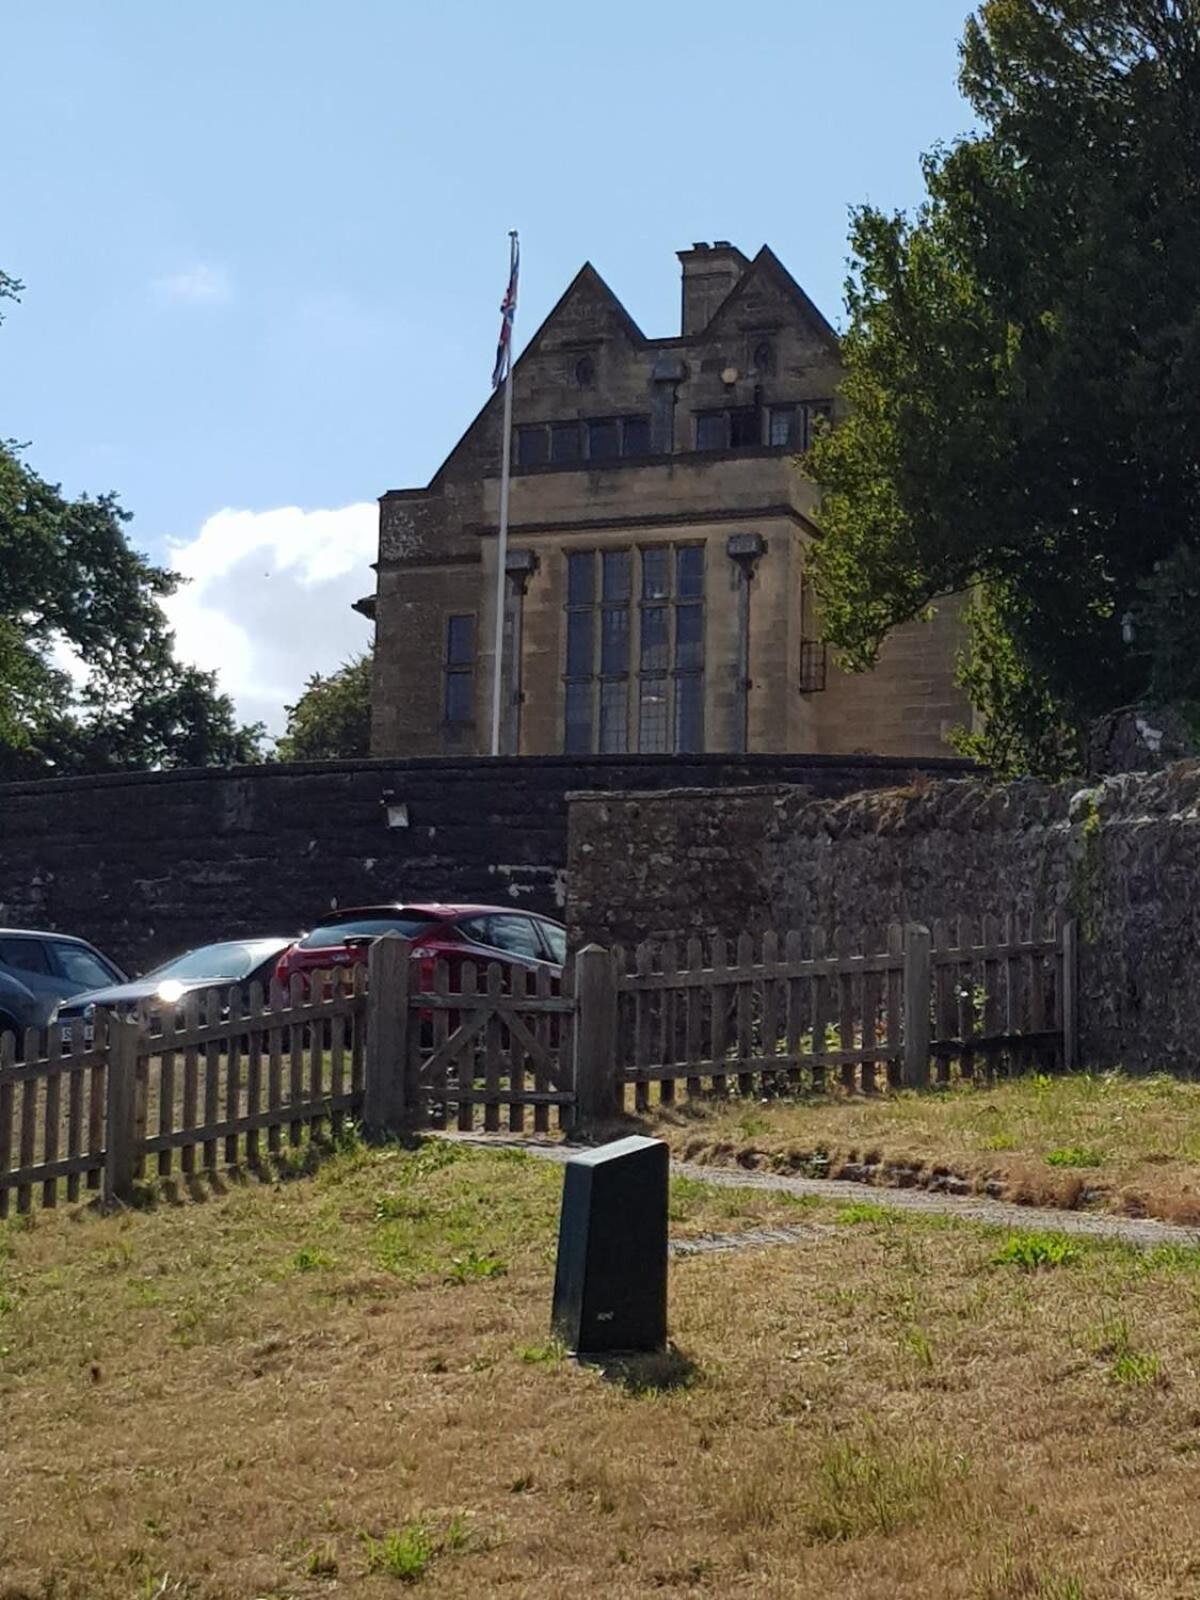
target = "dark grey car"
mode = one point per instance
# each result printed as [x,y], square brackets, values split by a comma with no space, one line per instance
[38,971]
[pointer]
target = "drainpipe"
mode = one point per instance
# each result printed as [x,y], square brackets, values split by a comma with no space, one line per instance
[745,550]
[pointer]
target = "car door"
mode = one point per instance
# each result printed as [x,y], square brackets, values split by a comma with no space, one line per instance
[554,939]
[28,959]
[78,968]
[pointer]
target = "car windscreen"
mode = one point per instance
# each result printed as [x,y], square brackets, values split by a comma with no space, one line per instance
[235,961]
[332,933]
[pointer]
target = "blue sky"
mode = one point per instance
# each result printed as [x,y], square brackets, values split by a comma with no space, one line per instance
[264,244]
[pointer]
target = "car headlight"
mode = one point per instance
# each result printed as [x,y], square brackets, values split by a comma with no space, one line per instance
[170,990]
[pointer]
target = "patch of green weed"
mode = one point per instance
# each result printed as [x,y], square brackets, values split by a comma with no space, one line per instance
[1074,1156]
[1128,1365]
[473,1266]
[405,1553]
[541,1354]
[860,1211]
[1031,1252]
[920,1347]
[306,1259]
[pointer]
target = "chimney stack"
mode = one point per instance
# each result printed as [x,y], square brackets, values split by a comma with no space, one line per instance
[710,272]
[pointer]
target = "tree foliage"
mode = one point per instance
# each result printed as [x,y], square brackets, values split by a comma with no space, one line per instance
[1023,359]
[73,590]
[332,718]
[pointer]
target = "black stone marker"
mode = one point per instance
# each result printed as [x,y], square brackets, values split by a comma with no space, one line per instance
[610,1284]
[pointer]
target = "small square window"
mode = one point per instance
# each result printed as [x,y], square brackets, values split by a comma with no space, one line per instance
[745,431]
[565,442]
[604,440]
[711,430]
[783,425]
[533,447]
[635,436]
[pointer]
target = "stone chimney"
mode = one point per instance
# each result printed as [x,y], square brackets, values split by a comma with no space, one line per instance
[709,273]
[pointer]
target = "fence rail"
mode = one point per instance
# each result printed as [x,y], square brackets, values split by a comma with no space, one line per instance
[233,1076]
[771,1016]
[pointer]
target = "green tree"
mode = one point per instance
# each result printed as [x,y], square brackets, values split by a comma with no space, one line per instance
[1022,360]
[71,583]
[332,718]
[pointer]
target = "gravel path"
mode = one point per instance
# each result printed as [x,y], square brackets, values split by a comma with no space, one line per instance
[1145,1233]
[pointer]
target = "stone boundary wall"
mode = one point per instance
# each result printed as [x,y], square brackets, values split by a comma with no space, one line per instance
[1123,856]
[147,864]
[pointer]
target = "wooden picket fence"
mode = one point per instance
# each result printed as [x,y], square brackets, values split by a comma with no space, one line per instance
[235,1077]
[53,1105]
[767,1016]
[203,1085]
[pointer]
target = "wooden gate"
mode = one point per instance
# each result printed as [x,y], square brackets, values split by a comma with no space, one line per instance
[500,1042]
[504,1046]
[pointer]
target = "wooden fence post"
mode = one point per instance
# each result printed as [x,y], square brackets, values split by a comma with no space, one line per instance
[597,1095]
[120,1132]
[388,973]
[917,944]
[1070,996]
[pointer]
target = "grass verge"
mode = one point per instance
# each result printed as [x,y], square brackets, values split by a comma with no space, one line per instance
[287,1391]
[1105,1141]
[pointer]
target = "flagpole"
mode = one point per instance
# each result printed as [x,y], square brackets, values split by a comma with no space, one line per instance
[502,542]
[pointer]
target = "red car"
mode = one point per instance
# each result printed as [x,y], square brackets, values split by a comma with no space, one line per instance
[519,941]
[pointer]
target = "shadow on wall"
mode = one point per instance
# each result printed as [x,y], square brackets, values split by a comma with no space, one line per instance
[1123,857]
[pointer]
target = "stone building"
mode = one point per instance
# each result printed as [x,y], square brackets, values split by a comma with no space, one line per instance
[658,537]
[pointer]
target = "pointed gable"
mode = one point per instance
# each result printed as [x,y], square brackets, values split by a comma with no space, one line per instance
[588,310]
[768,293]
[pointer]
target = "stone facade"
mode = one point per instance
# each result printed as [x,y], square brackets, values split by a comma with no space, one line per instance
[1123,857]
[148,864]
[657,597]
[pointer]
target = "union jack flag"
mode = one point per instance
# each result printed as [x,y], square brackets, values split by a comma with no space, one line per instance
[508,310]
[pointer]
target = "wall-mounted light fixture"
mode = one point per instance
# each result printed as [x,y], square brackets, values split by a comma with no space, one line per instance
[395,811]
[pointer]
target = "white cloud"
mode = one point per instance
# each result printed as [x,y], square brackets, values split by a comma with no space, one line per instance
[198,285]
[268,601]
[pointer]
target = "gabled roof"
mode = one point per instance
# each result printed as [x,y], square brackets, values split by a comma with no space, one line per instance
[767,263]
[764,263]
[586,277]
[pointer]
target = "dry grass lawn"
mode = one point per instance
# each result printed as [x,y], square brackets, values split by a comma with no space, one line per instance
[1112,1142]
[342,1384]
